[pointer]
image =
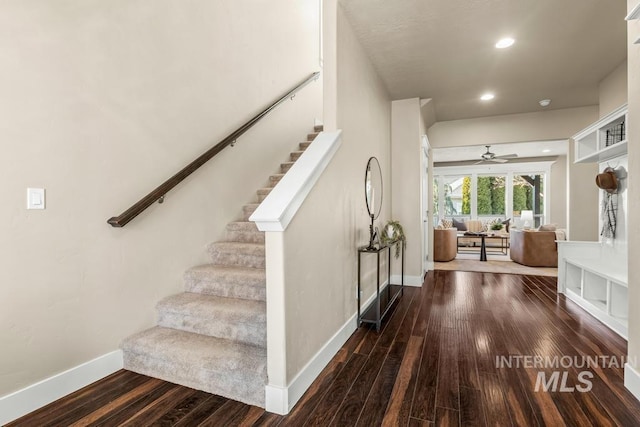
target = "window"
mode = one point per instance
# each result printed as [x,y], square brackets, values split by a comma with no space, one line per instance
[528,194]
[456,196]
[491,195]
[498,192]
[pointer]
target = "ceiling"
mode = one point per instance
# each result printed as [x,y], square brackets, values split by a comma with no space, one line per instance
[444,50]
[524,150]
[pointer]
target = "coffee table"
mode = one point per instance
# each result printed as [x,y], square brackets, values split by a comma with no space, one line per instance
[502,250]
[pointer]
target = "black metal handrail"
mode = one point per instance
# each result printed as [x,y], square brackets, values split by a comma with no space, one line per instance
[158,194]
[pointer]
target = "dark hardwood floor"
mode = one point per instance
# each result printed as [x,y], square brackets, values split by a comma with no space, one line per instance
[433,363]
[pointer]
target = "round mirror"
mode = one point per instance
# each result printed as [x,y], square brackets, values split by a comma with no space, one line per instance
[373,187]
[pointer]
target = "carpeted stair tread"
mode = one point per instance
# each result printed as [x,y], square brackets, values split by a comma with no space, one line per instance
[284,167]
[263,193]
[312,136]
[318,128]
[295,155]
[304,145]
[237,253]
[229,318]
[244,231]
[227,281]
[248,209]
[275,178]
[226,368]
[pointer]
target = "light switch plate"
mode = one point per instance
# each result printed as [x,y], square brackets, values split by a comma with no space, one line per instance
[35,198]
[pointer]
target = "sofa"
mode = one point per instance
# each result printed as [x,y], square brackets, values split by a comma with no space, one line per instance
[534,248]
[476,226]
[445,247]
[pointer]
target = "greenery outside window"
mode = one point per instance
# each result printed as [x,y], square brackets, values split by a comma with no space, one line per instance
[491,200]
[469,192]
[455,190]
[528,194]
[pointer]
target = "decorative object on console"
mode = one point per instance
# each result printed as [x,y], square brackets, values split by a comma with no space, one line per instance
[496,226]
[393,233]
[506,223]
[527,219]
[373,195]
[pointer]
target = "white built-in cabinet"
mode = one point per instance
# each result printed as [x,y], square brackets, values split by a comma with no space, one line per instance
[604,139]
[594,274]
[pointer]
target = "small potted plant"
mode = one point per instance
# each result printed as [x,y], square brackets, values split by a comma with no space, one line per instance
[392,233]
[496,226]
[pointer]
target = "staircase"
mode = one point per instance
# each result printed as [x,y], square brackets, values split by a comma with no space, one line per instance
[213,336]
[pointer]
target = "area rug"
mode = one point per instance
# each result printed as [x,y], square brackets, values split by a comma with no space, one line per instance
[491,266]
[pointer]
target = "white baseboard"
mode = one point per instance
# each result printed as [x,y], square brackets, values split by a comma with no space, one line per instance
[281,400]
[276,399]
[22,402]
[632,380]
[408,280]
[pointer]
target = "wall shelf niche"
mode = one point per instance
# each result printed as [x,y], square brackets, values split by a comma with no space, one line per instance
[603,140]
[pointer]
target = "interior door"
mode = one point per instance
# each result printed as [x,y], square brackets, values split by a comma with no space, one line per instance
[424,205]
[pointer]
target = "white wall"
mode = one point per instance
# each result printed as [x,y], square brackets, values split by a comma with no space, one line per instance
[558,192]
[406,144]
[102,101]
[613,90]
[320,243]
[544,125]
[633,56]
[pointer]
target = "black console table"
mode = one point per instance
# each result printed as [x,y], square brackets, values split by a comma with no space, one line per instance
[383,301]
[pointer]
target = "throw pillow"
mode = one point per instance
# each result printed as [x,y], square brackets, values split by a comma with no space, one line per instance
[486,225]
[446,223]
[548,227]
[459,225]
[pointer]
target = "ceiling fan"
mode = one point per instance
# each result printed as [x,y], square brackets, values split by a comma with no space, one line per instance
[491,157]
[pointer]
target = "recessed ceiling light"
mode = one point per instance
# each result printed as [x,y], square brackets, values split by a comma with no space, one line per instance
[546,150]
[544,102]
[487,97]
[505,42]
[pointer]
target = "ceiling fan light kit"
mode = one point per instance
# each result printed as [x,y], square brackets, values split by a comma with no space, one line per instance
[491,157]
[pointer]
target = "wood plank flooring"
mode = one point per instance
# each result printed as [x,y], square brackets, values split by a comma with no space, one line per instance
[432,363]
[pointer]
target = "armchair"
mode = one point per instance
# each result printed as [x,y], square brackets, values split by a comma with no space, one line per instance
[534,248]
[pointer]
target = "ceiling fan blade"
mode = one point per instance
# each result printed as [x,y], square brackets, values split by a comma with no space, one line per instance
[498,160]
[506,156]
[480,162]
